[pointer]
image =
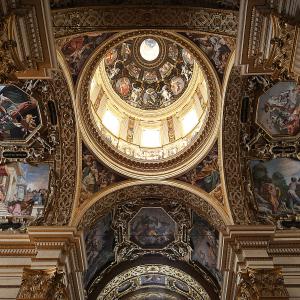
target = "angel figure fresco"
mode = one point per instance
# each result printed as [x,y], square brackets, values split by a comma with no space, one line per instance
[165,93]
[18,113]
[123,86]
[284,111]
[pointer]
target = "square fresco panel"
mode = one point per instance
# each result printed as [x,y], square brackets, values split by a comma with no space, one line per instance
[206,174]
[152,227]
[205,244]
[23,189]
[278,111]
[19,114]
[99,243]
[276,185]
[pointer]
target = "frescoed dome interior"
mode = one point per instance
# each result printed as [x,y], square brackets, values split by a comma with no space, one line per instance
[149,149]
[149,97]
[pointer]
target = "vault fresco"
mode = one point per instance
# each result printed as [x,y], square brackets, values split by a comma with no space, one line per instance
[152,84]
[99,242]
[78,50]
[19,114]
[152,228]
[205,243]
[95,176]
[218,49]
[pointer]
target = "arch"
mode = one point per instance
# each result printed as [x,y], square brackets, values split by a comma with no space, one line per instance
[200,201]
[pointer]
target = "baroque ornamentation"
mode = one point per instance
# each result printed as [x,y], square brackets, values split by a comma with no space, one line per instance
[231,148]
[43,284]
[261,284]
[194,290]
[8,65]
[82,19]
[113,199]
[104,143]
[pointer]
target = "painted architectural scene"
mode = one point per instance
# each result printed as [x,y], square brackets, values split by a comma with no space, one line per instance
[205,243]
[94,175]
[218,49]
[206,174]
[19,114]
[152,227]
[99,242]
[276,186]
[278,111]
[78,49]
[23,189]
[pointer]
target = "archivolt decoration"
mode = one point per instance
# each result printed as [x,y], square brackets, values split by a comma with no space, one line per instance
[163,167]
[176,280]
[230,146]
[89,214]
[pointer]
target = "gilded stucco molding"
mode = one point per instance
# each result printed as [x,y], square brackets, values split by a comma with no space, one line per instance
[124,164]
[261,284]
[84,19]
[201,202]
[59,212]
[43,284]
[231,148]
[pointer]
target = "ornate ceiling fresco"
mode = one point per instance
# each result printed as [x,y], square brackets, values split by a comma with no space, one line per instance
[151,143]
[145,81]
[155,227]
[175,129]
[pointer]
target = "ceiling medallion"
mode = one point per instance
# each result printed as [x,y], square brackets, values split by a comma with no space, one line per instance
[150,115]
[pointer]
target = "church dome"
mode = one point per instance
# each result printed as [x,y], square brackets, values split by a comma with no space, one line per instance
[148,98]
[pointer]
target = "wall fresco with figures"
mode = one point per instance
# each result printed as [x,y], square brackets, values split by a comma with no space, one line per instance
[152,227]
[78,49]
[95,176]
[276,186]
[278,111]
[218,49]
[206,174]
[99,242]
[19,114]
[23,189]
[205,243]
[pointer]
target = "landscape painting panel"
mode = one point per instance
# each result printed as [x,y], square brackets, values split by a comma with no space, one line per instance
[19,114]
[278,109]
[99,242]
[152,228]
[205,244]
[276,185]
[23,189]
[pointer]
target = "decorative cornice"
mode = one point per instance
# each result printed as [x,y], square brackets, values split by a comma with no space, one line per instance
[104,18]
